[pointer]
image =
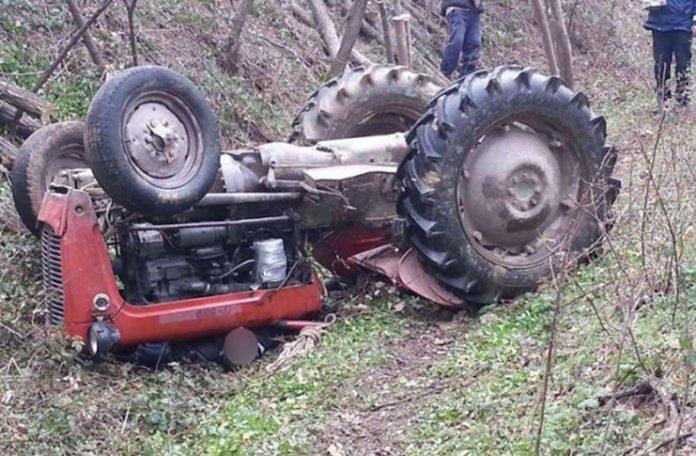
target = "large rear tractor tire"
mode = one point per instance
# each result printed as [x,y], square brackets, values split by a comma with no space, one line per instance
[508,183]
[152,141]
[377,100]
[43,155]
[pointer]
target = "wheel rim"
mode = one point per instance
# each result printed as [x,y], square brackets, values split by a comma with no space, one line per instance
[71,156]
[519,190]
[162,139]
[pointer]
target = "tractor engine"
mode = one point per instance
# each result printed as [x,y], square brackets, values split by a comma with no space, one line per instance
[193,262]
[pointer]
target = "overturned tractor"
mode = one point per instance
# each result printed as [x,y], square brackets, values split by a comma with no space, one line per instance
[466,196]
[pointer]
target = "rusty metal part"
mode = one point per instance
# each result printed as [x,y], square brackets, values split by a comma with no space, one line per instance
[368,190]
[290,162]
[512,190]
[241,348]
[243,222]
[71,157]
[334,250]
[406,270]
[163,139]
[219,199]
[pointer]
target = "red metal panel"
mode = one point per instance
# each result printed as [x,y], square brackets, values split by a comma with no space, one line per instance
[87,273]
[334,250]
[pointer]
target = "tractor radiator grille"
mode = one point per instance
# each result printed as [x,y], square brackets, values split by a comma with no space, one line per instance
[52,275]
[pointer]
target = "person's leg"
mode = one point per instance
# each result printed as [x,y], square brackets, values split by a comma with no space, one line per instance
[471,49]
[682,54]
[453,50]
[662,52]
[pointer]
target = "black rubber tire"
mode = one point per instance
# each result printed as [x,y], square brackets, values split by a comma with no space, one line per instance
[439,145]
[35,166]
[106,152]
[380,99]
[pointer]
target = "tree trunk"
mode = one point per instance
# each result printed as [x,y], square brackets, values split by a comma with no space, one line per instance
[24,99]
[545,32]
[386,28]
[350,35]
[564,50]
[26,125]
[9,220]
[234,41]
[301,14]
[8,153]
[130,8]
[87,38]
[327,31]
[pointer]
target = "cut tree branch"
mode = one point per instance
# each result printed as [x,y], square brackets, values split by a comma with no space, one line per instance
[351,31]
[8,153]
[25,100]
[545,32]
[327,31]
[24,127]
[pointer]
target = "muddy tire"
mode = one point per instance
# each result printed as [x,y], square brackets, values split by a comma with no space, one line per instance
[508,181]
[381,99]
[43,155]
[152,141]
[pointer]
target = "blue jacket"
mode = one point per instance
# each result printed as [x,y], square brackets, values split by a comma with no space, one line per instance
[678,15]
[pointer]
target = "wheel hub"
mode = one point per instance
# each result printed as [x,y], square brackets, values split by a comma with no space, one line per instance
[156,140]
[511,189]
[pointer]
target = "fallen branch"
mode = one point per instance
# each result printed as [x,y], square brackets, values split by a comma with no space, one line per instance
[301,14]
[350,36]
[25,100]
[327,31]
[9,220]
[642,389]
[8,153]
[667,442]
[26,125]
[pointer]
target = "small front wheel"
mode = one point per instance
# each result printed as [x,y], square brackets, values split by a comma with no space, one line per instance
[152,141]
[47,152]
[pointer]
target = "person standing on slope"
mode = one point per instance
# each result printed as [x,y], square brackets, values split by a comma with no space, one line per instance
[673,26]
[463,48]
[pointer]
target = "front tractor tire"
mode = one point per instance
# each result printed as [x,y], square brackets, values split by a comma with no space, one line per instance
[43,156]
[377,100]
[507,182]
[152,141]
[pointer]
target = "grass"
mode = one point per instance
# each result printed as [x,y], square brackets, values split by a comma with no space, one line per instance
[394,375]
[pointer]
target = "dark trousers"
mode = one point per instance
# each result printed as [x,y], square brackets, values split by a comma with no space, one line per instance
[463,49]
[668,46]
